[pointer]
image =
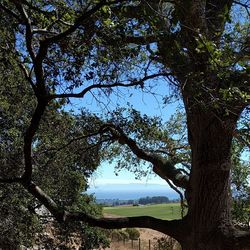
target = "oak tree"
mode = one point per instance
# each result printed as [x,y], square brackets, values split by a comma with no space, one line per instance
[67,49]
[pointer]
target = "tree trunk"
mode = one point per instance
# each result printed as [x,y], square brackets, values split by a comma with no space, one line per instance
[209,217]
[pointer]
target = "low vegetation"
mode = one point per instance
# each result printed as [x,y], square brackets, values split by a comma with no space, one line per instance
[168,211]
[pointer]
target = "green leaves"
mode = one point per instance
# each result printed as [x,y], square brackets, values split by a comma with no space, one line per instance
[167,139]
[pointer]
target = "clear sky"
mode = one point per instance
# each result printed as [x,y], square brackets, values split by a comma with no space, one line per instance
[105,174]
[146,103]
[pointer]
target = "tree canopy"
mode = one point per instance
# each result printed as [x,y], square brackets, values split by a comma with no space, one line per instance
[63,50]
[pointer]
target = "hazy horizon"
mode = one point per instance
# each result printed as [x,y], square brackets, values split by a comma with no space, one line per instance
[131,191]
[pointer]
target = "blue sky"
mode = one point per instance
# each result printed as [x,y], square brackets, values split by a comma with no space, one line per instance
[144,102]
[105,174]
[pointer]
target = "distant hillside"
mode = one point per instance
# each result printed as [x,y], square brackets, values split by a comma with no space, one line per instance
[131,191]
[141,201]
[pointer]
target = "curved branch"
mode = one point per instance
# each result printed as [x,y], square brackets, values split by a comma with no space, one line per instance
[167,171]
[243,239]
[35,8]
[164,226]
[103,86]
[79,21]
[26,74]
[11,13]
[172,228]
[215,14]
[28,138]
[28,35]
[246,6]
[10,180]
[162,167]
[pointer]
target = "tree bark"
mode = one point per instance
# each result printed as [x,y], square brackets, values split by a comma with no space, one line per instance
[209,217]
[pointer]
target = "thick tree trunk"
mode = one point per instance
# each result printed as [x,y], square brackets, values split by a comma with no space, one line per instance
[209,218]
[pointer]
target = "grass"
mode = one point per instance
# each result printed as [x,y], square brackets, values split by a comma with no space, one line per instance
[169,211]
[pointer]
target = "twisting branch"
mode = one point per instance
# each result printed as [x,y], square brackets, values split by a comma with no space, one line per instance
[79,21]
[180,194]
[44,32]
[103,86]
[30,132]
[11,13]
[10,180]
[26,74]
[168,171]
[32,7]
[162,167]
[173,228]
[28,35]
[246,6]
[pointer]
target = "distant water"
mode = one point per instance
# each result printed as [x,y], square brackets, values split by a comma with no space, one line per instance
[127,192]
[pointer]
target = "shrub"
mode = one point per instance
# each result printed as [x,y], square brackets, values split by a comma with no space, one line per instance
[133,233]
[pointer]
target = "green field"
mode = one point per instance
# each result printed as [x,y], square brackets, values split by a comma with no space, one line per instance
[168,211]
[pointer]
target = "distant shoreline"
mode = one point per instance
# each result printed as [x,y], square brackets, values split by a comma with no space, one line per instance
[131,191]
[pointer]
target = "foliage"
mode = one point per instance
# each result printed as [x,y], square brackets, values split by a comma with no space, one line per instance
[165,243]
[153,135]
[59,169]
[153,200]
[61,50]
[241,173]
[119,235]
[133,233]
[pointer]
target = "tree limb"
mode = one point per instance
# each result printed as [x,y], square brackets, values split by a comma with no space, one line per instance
[28,35]
[11,13]
[216,11]
[32,7]
[162,167]
[172,228]
[246,6]
[10,180]
[180,194]
[79,21]
[26,74]
[167,171]
[242,238]
[100,86]
[28,138]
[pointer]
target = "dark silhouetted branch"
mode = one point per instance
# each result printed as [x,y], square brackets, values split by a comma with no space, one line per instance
[103,86]
[30,132]
[10,180]
[162,167]
[172,228]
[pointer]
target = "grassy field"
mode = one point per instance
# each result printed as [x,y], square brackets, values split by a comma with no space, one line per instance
[168,211]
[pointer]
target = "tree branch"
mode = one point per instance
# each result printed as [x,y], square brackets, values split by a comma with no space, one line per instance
[10,180]
[28,138]
[215,15]
[26,74]
[162,167]
[180,194]
[32,7]
[12,13]
[172,228]
[242,238]
[79,21]
[100,86]
[246,6]
[28,35]
[140,40]
[167,171]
